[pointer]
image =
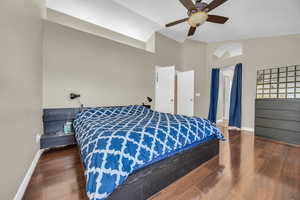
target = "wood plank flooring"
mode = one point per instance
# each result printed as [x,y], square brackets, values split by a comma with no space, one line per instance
[248,168]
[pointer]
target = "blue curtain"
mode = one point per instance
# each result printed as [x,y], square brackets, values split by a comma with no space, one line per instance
[235,110]
[214,95]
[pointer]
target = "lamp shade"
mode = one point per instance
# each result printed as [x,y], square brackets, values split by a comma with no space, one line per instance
[149,99]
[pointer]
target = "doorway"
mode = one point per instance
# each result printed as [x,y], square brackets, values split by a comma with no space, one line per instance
[226,77]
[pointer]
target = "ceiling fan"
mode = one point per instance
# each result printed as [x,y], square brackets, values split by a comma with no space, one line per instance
[197,14]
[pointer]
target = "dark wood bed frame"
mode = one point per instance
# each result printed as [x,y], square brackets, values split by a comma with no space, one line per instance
[152,179]
[149,180]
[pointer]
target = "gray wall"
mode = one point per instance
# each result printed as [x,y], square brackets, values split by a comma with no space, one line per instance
[105,72]
[167,51]
[20,89]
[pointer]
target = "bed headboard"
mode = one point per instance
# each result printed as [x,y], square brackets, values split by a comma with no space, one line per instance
[55,118]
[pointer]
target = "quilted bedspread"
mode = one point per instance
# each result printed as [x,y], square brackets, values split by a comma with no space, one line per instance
[114,142]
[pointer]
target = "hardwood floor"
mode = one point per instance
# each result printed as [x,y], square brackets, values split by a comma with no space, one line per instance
[248,168]
[58,176]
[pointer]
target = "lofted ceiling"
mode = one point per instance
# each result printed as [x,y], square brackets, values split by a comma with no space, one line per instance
[139,19]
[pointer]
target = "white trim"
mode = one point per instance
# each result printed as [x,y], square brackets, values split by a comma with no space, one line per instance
[233,128]
[241,129]
[219,120]
[25,182]
[248,129]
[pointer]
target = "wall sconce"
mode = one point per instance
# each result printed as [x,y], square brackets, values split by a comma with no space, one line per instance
[76,96]
[148,100]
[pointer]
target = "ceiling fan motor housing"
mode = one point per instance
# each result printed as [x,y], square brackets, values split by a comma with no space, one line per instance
[200,6]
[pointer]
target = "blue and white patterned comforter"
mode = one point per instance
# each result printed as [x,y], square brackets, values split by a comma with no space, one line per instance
[116,141]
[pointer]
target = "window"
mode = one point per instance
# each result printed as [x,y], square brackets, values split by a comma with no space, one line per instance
[228,50]
[283,83]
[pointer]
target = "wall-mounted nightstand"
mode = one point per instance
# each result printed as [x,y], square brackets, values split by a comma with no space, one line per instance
[57,140]
[54,121]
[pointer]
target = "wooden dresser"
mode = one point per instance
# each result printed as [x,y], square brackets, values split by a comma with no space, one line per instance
[278,119]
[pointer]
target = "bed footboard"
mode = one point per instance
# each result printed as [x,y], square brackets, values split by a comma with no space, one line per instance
[152,179]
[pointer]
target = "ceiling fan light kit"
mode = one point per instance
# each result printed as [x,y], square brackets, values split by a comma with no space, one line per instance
[198,18]
[198,14]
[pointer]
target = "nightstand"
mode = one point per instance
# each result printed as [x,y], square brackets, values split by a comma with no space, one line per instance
[57,140]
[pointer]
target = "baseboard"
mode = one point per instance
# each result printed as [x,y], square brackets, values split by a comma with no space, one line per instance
[241,129]
[219,120]
[233,128]
[25,182]
[248,129]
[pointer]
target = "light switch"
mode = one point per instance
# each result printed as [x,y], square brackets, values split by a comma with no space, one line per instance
[197,94]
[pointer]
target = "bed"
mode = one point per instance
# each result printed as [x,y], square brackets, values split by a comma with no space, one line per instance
[132,152]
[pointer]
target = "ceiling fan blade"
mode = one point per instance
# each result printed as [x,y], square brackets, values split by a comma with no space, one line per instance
[188,4]
[217,19]
[214,4]
[176,22]
[192,31]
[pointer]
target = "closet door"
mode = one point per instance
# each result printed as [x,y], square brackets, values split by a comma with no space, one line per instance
[185,93]
[164,89]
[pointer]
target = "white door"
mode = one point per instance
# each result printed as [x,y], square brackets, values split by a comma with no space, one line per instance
[185,93]
[164,89]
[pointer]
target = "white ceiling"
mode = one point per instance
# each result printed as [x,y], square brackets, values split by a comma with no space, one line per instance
[140,18]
